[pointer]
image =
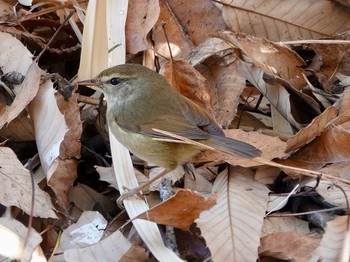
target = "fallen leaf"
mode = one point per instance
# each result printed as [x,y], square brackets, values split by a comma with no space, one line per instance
[16,187]
[12,237]
[109,249]
[232,228]
[189,82]
[332,243]
[29,88]
[142,15]
[280,20]
[288,246]
[180,211]
[87,231]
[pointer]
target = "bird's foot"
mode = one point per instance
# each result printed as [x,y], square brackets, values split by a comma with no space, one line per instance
[130,193]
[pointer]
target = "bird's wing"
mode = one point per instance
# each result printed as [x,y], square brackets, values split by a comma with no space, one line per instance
[191,122]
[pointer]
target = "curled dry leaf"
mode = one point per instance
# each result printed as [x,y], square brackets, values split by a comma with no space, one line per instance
[29,88]
[142,15]
[279,20]
[240,208]
[189,82]
[309,133]
[16,187]
[180,210]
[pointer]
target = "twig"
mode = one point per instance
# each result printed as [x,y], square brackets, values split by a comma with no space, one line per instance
[54,36]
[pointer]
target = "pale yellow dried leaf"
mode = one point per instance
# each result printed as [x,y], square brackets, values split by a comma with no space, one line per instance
[232,228]
[28,90]
[50,126]
[109,249]
[16,187]
[280,20]
[290,246]
[94,51]
[332,243]
[284,224]
[12,237]
[14,56]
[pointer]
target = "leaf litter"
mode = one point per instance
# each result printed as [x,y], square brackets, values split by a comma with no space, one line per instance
[242,75]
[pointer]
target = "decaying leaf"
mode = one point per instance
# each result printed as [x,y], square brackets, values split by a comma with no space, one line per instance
[142,15]
[280,20]
[189,82]
[181,210]
[111,248]
[332,244]
[16,187]
[232,227]
[13,235]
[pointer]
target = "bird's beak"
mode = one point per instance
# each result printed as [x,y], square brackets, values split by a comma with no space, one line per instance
[92,83]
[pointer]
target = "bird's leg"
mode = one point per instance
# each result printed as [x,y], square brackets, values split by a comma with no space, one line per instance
[136,191]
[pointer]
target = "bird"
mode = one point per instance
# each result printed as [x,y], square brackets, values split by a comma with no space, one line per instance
[140,102]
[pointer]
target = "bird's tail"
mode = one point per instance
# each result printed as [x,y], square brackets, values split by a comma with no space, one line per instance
[232,146]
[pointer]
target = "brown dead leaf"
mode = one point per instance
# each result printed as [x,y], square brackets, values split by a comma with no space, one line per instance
[199,19]
[142,15]
[66,171]
[179,42]
[29,88]
[309,133]
[271,147]
[288,246]
[273,58]
[16,187]
[181,210]
[335,60]
[189,82]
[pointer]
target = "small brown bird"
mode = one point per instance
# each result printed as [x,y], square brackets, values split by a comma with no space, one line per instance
[140,100]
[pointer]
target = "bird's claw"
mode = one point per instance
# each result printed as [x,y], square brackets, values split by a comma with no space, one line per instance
[128,194]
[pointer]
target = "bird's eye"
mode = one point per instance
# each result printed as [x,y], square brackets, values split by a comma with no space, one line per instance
[115,81]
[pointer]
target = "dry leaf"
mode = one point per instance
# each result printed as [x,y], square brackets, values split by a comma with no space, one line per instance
[309,133]
[88,231]
[16,187]
[334,60]
[232,227]
[142,15]
[280,20]
[189,82]
[29,88]
[179,42]
[199,19]
[109,249]
[274,225]
[12,237]
[180,210]
[288,246]
[331,246]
